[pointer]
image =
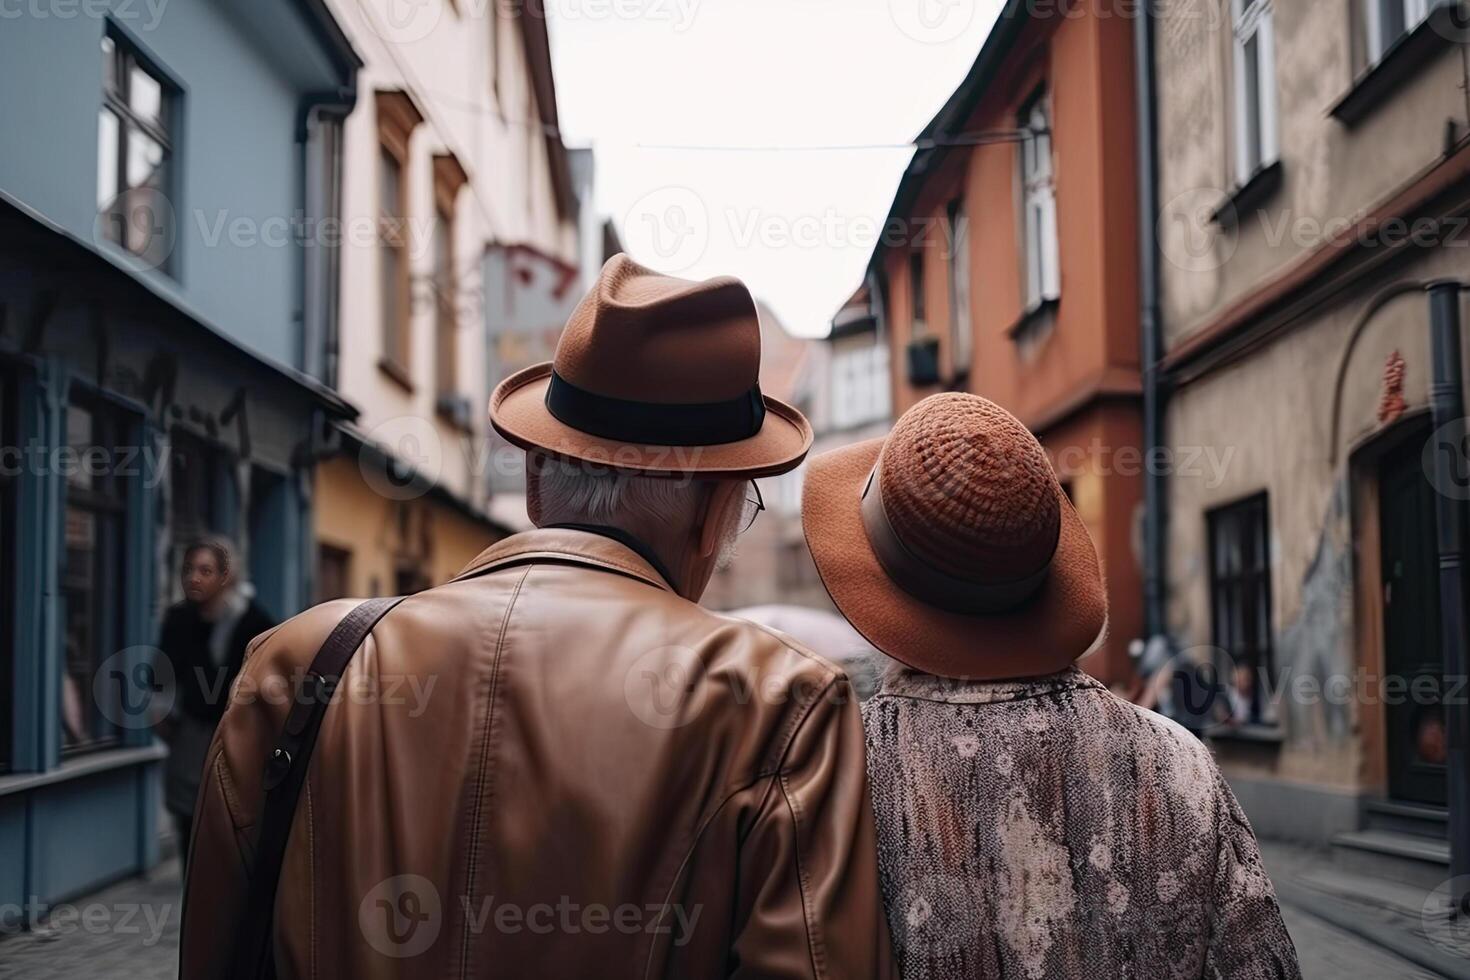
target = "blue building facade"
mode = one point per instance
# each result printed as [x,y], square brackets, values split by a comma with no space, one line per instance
[167,312]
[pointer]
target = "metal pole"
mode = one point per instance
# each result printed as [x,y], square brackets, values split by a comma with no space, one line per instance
[1155,479]
[1447,405]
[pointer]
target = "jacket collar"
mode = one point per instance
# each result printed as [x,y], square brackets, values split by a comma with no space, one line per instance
[928,687]
[566,544]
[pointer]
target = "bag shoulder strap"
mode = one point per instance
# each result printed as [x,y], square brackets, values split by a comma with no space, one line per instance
[285,774]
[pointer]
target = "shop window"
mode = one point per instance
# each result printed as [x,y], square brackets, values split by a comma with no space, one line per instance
[97,488]
[1240,603]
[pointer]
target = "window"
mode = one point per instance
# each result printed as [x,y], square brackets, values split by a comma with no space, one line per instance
[449,177]
[1389,20]
[860,385]
[393,266]
[333,573]
[1240,600]
[916,290]
[91,570]
[398,117]
[1255,88]
[134,152]
[446,357]
[959,288]
[1038,205]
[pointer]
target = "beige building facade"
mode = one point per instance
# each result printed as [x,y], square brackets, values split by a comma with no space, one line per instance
[1313,179]
[452,155]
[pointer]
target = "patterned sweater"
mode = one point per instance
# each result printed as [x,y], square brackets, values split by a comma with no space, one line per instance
[1048,829]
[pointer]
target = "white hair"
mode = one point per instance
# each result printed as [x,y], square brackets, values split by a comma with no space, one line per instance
[573,492]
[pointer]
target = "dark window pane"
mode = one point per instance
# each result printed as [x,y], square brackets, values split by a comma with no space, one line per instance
[1252,107]
[1240,604]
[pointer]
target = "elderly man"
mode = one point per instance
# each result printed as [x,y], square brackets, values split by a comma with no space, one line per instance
[607,780]
[1031,825]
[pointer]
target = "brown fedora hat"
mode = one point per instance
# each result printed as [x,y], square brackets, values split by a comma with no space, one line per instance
[951,546]
[656,375]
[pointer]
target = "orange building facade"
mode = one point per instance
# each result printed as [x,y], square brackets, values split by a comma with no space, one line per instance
[1008,267]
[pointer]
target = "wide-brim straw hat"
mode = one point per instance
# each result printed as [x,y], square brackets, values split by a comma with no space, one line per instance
[951,546]
[655,375]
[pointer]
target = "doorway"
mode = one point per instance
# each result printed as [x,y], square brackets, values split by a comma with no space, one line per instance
[1414,674]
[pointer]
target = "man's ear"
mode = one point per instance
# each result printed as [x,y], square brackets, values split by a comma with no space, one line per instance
[723,494]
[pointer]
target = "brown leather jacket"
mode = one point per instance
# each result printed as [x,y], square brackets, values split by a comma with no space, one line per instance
[551,766]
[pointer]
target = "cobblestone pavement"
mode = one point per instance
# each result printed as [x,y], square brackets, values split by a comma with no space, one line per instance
[131,932]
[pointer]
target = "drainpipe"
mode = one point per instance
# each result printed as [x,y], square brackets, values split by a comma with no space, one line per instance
[1447,406]
[1155,489]
[320,331]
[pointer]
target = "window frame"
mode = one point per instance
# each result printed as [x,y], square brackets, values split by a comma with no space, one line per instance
[449,177]
[124,56]
[446,318]
[918,307]
[395,325]
[1254,151]
[961,331]
[1036,166]
[1248,514]
[1412,13]
[398,117]
[860,385]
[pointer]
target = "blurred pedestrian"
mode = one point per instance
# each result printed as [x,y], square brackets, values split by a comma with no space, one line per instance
[1030,823]
[601,779]
[204,637]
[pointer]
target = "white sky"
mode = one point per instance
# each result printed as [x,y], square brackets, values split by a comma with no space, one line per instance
[796,225]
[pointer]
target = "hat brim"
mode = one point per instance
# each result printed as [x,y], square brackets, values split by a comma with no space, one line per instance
[518,412]
[1050,630]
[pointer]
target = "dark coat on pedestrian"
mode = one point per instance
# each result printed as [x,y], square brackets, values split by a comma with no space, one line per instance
[203,686]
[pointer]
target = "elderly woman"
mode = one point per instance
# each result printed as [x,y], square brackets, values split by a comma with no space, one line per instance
[1030,823]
